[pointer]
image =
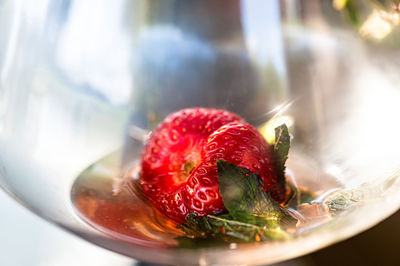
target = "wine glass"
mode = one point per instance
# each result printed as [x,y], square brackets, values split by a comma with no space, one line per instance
[84,82]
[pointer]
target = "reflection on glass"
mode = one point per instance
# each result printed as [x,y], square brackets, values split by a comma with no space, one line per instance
[76,87]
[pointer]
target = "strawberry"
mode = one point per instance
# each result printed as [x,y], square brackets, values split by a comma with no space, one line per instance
[179,172]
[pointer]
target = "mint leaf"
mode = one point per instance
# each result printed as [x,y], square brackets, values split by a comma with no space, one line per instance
[298,196]
[253,214]
[281,149]
[195,227]
[224,228]
[306,196]
[243,196]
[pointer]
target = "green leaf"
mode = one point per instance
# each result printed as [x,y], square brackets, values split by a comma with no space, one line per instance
[252,214]
[195,227]
[298,196]
[306,196]
[281,149]
[224,228]
[243,196]
[343,200]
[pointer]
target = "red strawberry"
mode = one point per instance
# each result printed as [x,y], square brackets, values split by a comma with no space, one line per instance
[179,172]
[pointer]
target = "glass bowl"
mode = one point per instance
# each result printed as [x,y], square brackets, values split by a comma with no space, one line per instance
[80,80]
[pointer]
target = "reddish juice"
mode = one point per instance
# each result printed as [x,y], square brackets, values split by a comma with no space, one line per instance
[116,206]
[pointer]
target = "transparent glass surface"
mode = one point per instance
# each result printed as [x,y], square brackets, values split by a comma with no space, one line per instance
[80,80]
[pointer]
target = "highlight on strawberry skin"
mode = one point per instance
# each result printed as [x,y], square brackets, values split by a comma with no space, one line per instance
[179,162]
